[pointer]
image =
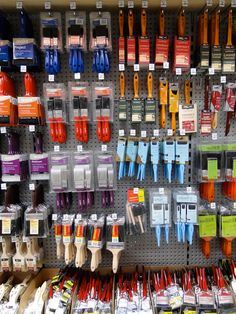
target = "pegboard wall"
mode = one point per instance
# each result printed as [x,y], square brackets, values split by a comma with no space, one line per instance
[140,249]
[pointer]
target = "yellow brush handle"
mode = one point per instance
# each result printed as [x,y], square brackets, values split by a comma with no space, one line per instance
[230,25]
[122,84]
[217,29]
[187,92]
[162,23]
[136,85]
[131,23]
[121,23]
[149,85]
[144,23]
[163,117]
[173,122]
[214,121]
[181,23]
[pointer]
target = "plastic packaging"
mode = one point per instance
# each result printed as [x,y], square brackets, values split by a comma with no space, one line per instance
[100,30]
[230,161]
[105,174]
[83,171]
[76,30]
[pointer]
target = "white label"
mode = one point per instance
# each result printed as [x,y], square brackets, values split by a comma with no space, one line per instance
[151,66]
[31,186]
[213,205]
[19,4]
[161,190]
[121,4]
[223,79]
[79,148]
[54,217]
[189,189]
[209,3]
[133,132]
[79,216]
[47,5]
[32,128]
[222,3]
[214,136]
[234,205]
[121,67]
[135,190]
[136,67]
[104,148]
[23,68]
[3,186]
[66,217]
[166,65]
[143,133]
[114,216]
[121,132]
[184,3]
[193,71]
[72,5]
[182,132]
[144,4]
[169,132]
[77,76]
[156,132]
[130,4]
[56,148]
[233,3]
[101,76]
[51,77]
[94,217]
[163,4]
[99,4]
[25,239]
[3,130]
[178,71]
[211,71]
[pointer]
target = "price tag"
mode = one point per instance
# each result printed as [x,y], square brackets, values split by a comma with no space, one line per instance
[135,190]
[156,132]
[234,205]
[23,68]
[211,71]
[133,132]
[182,132]
[56,148]
[151,67]
[143,133]
[101,76]
[221,3]
[178,71]
[189,189]
[136,67]
[79,216]
[193,71]
[163,4]
[209,3]
[114,216]
[51,77]
[24,239]
[32,128]
[54,217]
[3,186]
[98,4]
[161,190]
[104,148]
[121,4]
[144,4]
[79,148]
[3,130]
[223,79]
[184,3]
[213,205]
[66,217]
[94,217]
[19,5]
[169,132]
[121,67]
[47,5]
[233,3]
[77,76]
[121,132]
[214,136]
[166,65]
[72,5]
[31,186]
[130,4]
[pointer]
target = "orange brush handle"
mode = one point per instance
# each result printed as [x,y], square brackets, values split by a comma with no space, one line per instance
[99,130]
[206,248]
[30,85]
[85,131]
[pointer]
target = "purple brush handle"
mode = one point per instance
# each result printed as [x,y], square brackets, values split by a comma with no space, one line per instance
[38,143]
[80,201]
[111,193]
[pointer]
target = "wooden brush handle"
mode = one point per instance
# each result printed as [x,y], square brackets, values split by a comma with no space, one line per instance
[205,27]
[122,84]
[150,85]
[131,23]
[136,85]
[187,92]
[229,30]
[217,29]
[121,23]
[143,23]
[181,23]
[214,121]
[162,23]
[115,260]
